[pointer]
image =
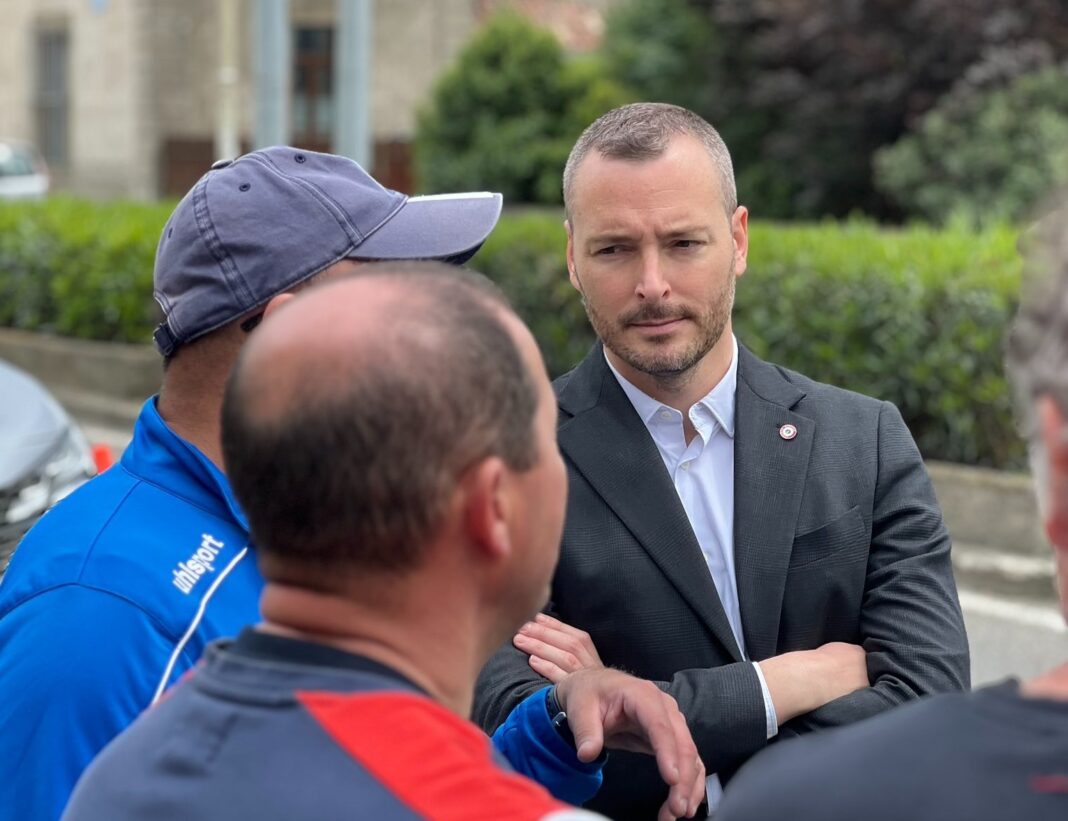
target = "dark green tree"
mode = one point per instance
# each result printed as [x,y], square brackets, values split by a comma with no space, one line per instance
[661,48]
[505,115]
[987,156]
[805,91]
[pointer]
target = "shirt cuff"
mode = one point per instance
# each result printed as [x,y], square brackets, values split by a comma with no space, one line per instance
[770,717]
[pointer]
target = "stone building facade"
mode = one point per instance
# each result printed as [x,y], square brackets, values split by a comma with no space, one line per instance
[120,95]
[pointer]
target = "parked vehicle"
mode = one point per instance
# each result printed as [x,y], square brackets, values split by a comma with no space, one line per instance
[43,455]
[23,174]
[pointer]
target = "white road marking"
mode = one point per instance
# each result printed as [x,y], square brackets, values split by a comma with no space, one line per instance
[1046,617]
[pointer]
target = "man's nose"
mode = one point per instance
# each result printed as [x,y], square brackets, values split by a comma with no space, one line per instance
[652,284]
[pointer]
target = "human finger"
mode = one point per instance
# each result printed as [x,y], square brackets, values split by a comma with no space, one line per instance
[563,659]
[546,669]
[585,718]
[647,709]
[686,794]
[564,637]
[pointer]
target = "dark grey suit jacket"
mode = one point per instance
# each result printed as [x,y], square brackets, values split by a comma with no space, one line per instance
[837,537]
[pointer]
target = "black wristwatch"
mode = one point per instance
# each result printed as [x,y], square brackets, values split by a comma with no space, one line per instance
[558,717]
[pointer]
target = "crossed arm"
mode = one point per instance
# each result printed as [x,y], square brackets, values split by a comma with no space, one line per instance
[798,682]
[911,639]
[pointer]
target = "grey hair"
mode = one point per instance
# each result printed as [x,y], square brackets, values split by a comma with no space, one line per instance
[1037,350]
[642,131]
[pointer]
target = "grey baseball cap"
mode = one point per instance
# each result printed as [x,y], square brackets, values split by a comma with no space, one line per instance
[257,226]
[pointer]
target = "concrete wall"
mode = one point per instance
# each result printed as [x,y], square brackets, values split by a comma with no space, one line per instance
[414,42]
[144,75]
[183,39]
[110,151]
[145,71]
[16,116]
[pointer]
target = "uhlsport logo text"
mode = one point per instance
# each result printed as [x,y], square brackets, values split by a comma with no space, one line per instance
[188,573]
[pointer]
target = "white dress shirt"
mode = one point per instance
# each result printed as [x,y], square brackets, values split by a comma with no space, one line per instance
[703,475]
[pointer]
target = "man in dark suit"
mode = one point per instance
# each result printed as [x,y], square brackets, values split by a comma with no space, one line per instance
[767,548]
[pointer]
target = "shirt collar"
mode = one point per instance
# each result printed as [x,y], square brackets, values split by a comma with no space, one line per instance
[158,454]
[720,401]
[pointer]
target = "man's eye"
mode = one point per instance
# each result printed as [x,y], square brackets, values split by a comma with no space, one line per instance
[687,243]
[608,250]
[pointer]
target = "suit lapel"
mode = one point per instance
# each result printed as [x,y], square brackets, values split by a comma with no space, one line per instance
[769,481]
[609,445]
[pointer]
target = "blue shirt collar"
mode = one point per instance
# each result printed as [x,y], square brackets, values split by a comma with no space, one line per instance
[159,456]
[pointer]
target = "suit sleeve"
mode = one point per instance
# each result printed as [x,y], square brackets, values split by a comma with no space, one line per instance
[911,624]
[504,682]
[78,666]
[724,707]
[725,711]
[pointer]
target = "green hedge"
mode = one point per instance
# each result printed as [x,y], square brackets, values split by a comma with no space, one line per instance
[80,268]
[915,315]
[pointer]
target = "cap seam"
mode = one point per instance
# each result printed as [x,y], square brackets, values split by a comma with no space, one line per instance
[352,231]
[202,213]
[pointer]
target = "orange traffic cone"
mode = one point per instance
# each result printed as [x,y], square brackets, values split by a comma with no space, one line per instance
[103,457]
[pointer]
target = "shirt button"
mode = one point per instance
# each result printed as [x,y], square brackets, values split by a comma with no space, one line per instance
[685,465]
[665,414]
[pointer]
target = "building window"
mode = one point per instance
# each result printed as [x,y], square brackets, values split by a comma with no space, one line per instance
[52,96]
[313,87]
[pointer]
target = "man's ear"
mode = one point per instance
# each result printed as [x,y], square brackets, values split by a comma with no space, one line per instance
[276,302]
[1052,430]
[571,257]
[740,236]
[487,508]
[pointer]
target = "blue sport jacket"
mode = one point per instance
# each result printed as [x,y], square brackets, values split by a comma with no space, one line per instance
[117,591]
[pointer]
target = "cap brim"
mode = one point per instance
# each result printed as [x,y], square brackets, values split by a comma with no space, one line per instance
[449,227]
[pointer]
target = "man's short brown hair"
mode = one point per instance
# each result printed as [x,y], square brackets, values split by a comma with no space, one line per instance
[356,471]
[642,131]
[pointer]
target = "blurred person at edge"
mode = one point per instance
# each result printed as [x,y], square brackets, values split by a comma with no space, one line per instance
[117,591]
[391,438]
[767,548]
[1000,752]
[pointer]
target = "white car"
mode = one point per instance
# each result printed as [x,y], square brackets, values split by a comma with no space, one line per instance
[23,174]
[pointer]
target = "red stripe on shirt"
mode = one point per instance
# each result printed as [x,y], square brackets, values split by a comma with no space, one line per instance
[441,766]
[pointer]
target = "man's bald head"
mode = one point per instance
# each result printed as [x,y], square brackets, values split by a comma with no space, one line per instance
[351,416]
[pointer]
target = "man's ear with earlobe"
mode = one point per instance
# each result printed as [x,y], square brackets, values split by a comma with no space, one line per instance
[740,238]
[571,274]
[277,302]
[1055,438]
[486,508]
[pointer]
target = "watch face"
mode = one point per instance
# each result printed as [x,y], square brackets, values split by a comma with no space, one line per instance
[558,717]
[563,729]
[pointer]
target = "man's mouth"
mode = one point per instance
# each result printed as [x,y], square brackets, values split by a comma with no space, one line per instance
[661,325]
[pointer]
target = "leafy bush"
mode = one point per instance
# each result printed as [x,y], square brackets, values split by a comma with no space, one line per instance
[79,268]
[915,316]
[659,48]
[986,157]
[505,116]
[525,256]
[805,92]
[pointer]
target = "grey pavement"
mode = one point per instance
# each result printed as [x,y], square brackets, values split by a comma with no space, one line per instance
[1012,638]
